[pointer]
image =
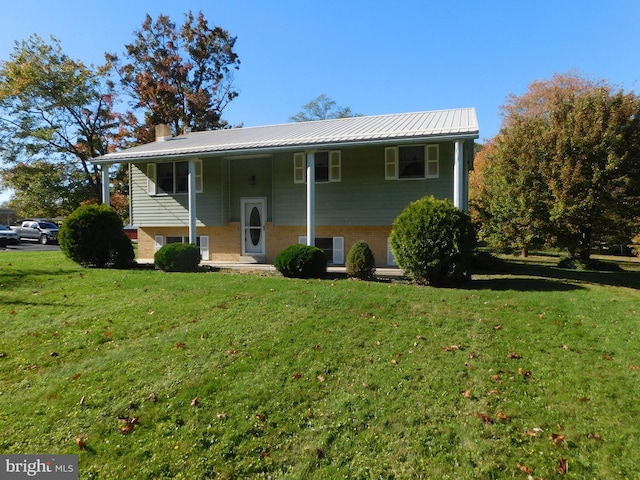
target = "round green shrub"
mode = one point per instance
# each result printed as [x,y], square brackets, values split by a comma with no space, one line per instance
[178,257]
[360,261]
[301,261]
[433,241]
[92,235]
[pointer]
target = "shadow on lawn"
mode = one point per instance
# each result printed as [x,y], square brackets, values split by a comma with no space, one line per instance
[514,275]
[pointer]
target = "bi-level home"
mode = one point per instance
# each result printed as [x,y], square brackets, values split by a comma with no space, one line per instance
[245,194]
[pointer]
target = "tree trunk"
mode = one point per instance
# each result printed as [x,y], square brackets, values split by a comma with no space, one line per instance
[524,253]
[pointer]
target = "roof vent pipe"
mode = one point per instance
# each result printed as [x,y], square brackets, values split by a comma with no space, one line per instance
[163,133]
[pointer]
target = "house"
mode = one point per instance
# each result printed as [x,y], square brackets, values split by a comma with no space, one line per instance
[245,194]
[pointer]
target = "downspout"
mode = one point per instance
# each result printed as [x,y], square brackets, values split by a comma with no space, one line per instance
[311,198]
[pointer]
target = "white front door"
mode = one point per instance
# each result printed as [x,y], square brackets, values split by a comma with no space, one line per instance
[253,225]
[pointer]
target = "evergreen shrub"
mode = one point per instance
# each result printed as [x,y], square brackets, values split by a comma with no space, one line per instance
[178,257]
[433,241]
[92,235]
[301,261]
[360,261]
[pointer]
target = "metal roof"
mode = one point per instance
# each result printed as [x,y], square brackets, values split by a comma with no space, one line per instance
[397,128]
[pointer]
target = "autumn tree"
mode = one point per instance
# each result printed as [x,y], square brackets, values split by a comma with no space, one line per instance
[44,189]
[568,154]
[322,108]
[55,109]
[179,76]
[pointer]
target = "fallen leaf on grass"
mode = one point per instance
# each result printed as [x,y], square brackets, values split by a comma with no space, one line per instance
[451,348]
[472,355]
[557,440]
[394,361]
[76,376]
[195,402]
[320,378]
[81,442]
[498,327]
[297,375]
[180,344]
[485,418]
[260,416]
[513,355]
[466,393]
[594,436]
[563,466]
[496,378]
[608,357]
[524,469]
[504,417]
[316,347]
[222,415]
[634,367]
[420,337]
[524,373]
[129,424]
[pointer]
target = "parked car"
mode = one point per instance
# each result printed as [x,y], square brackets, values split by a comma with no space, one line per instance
[8,236]
[37,230]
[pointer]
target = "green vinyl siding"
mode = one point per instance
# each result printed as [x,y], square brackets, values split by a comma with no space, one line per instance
[173,210]
[363,196]
[242,173]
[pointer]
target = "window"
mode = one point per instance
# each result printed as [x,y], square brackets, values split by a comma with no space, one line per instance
[327,167]
[202,242]
[172,177]
[333,247]
[412,162]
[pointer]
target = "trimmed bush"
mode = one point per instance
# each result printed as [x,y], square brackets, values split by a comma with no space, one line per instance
[178,257]
[433,241]
[93,236]
[360,261]
[301,261]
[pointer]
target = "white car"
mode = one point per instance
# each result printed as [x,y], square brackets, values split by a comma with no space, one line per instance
[8,236]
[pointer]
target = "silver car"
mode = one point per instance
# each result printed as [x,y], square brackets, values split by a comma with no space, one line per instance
[8,236]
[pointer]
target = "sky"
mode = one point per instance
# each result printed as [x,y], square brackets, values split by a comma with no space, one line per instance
[374,56]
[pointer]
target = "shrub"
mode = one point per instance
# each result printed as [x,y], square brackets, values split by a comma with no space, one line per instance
[433,241]
[301,261]
[360,261]
[92,235]
[178,257]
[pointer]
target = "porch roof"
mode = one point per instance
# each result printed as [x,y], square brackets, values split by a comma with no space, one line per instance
[434,125]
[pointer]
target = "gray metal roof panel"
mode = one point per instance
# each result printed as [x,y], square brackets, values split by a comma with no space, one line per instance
[324,133]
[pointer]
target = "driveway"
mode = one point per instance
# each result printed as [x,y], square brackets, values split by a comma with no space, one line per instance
[32,247]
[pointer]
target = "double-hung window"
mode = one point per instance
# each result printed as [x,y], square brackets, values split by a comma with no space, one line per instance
[412,162]
[169,178]
[327,167]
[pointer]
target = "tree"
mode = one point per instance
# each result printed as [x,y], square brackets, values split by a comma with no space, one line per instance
[182,77]
[566,163]
[44,189]
[56,109]
[322,108]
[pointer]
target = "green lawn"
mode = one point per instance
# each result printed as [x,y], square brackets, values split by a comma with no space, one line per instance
[149,375]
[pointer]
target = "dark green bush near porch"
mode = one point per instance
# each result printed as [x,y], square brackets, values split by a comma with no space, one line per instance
[178,257]
[360,261]
[93,236]
[301,261]
[433,241]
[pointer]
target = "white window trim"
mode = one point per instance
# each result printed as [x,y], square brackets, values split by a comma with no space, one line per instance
[300,167]
[338,248]
[160,241]
[152,181]
[431,160]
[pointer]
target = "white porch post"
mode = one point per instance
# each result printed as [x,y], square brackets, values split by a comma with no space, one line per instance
[458,176]
[311,199]
[192,202]
[105,183]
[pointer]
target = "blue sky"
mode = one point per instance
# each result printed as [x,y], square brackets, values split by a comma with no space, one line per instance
[375,56]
